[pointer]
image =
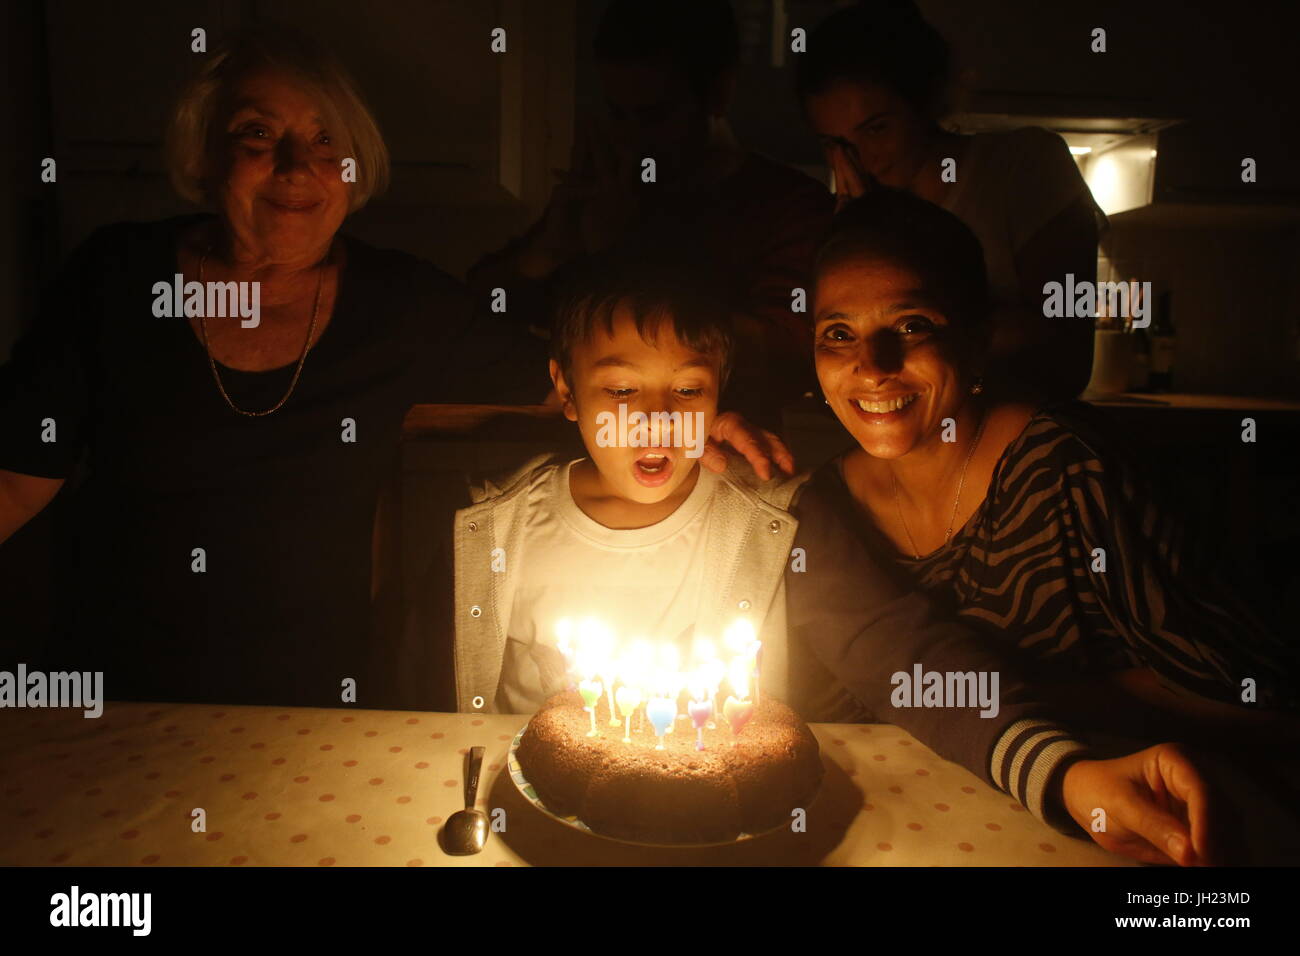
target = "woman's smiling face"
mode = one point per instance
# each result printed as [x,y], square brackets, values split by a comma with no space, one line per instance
[885,355]
[281,189]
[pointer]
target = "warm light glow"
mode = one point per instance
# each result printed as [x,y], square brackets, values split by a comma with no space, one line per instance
[1121,178]
[738,676]
[697,685]
[714,671]
[739,637]
[657,668]
[1080,150]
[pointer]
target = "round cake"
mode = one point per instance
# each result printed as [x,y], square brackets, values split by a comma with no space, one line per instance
[678,794]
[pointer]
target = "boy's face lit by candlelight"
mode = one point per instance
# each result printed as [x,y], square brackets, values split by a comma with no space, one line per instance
[280,186]
[636,486]
[880,340]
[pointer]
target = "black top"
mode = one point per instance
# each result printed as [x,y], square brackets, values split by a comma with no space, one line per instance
[281,506]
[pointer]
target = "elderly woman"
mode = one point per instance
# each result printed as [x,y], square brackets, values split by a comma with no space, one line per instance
[220,548]
[1021,520]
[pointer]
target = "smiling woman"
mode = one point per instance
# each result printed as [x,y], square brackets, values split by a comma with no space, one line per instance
[327,115]
[220,547]
[1023,520]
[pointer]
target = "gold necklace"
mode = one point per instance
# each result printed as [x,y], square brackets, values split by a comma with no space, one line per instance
[916,553]
[302,359]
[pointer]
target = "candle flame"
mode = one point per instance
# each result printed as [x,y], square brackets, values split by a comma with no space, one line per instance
[659,668]
[738,675]
[739,636]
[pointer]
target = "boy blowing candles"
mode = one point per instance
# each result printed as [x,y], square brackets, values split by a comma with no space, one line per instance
[636,534]
[639,536]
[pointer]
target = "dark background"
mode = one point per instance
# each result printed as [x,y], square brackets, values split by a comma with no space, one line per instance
[474,135]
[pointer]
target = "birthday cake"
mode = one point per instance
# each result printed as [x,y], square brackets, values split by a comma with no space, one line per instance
[620,785]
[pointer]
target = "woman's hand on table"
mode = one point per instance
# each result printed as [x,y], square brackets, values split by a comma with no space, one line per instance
[758,445]
[1158,805]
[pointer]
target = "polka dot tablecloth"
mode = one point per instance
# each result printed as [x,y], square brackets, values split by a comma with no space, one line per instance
[304,787]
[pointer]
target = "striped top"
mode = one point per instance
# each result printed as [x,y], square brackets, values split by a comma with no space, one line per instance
[1071,558]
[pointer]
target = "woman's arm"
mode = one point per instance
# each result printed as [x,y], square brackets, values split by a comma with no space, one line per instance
[865,628]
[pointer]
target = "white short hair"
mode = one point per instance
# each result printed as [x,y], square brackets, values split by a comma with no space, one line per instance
[192,132]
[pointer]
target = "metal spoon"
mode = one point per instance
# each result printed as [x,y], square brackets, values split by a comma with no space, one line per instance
[466,830]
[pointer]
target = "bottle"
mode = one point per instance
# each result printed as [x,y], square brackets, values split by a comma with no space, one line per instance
[1162,343]
[1139,375]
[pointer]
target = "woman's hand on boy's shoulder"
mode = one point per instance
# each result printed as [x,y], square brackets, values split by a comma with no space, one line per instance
[760,447]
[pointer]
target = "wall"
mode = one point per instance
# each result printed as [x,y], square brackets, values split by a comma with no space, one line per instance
[27,223]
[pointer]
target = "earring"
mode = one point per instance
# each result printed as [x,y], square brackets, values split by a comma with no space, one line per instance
[826,401]
[977,387]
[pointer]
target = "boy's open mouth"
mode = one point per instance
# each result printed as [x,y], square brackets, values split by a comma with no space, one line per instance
[653,468]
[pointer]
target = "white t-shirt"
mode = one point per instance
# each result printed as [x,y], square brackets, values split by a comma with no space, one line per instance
[643,583]
[1009,185]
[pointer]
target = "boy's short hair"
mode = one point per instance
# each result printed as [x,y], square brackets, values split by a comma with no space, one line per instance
[654,287]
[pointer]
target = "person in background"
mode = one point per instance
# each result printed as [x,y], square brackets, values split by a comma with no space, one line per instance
[667,70]
[872,86]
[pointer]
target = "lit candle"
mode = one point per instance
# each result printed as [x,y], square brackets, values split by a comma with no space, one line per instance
[738,710]
[740,640]
[590,691]
[737,713]
[713,673]
[700,707]
[668,679]
[629,699]
[662,711]
[739,637]
[595,649]
[609,687]
[633,669]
